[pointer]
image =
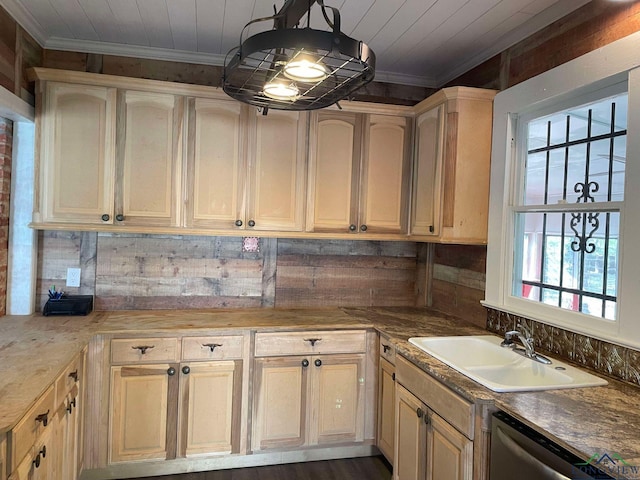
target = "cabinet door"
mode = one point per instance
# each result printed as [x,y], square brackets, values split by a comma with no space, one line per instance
[149,153]
[77,154]
[337,399]
[384,196]
[449,453]
[280,402]
[140,407]
[333,171]
[39,463]
[277,171]
[410,437]
[64,450]
[209,407]
[427,173]
[216,163]
[3,457]
[386,408]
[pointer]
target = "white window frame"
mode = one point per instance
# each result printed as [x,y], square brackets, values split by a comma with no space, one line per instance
[593,75]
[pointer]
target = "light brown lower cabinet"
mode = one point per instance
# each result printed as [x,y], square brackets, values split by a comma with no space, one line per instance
[306,400]
[169,410]
[46,443]
[426,445]
[386,408]
[3,457]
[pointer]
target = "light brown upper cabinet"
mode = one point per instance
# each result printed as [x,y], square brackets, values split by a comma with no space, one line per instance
[77,153]
[108,156]
[359,173]
[216,165]
[245,171]
[149,155]
[450,201]
[277,171]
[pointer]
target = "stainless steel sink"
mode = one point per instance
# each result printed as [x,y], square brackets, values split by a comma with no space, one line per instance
[481,358]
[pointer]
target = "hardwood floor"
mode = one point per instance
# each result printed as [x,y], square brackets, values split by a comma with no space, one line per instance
[366,468]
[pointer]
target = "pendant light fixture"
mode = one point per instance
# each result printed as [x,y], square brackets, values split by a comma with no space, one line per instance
[292,68]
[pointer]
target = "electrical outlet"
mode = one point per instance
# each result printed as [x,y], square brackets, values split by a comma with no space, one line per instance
[73,277]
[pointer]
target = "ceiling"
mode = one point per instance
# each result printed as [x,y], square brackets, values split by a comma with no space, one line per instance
[416,42]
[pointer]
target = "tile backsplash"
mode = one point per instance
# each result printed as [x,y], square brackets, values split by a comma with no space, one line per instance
[610,359]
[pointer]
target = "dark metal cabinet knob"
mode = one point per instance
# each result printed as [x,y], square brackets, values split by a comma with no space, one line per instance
[352,227]
[419,412]
[105,217]
[120,217]
[171,371]
[318,362]
[186,370]
[305,363]
[238,223]
[252,223]
[431,229]
[427,420]
[72,403]
[363,228]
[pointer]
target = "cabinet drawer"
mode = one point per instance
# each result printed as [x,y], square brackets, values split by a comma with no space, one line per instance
[225,347]
[25,434]
[313,342]
[144,350]
[446,403]
[68,378]
[387,350]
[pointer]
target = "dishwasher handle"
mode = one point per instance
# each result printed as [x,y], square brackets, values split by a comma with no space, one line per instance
[528,459]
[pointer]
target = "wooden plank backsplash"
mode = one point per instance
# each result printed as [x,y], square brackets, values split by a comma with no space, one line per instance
[134,271]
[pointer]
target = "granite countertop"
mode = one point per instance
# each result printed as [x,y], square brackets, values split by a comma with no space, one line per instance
[35,349]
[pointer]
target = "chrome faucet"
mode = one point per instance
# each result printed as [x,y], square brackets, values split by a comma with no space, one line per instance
[527,343]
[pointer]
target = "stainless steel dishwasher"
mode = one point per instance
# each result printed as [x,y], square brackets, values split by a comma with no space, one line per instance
[520,452]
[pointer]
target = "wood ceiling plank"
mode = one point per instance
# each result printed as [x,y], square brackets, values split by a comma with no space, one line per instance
[48,17]
[234,21]
[182,18]
[155,18]
[209,24]
[103,20]
[127,16]
[76,18]
[404,51]
[374,19]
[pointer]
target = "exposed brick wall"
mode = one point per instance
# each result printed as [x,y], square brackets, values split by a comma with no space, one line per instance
[6,142]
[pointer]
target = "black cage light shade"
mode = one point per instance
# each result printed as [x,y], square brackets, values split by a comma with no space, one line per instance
[298,68]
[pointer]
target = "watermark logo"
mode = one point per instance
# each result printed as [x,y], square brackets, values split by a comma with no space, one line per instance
[606,466]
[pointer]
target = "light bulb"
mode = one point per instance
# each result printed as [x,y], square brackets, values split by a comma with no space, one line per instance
[303,68]
[280,89]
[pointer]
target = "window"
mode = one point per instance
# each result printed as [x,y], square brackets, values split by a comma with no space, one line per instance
[564,226]
[567,213]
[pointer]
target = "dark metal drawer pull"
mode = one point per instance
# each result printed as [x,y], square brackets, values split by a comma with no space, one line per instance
[143,348]
[72,403]
[386,348]
[74,375]
[44,418]
[211,346]
[312,341]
